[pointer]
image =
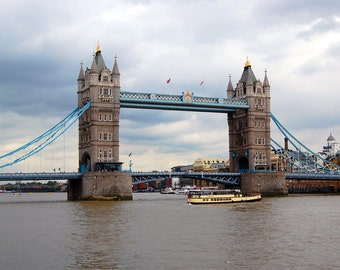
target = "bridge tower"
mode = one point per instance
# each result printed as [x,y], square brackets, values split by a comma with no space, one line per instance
[249,135]
[99,134]
[249,130]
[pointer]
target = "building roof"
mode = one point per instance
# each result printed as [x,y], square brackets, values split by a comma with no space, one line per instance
[330,138]
[99,61]
[248,74]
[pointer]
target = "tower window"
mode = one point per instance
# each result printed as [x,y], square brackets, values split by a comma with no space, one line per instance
[105,78]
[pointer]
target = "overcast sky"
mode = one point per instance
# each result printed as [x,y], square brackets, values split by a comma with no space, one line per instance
[43,43]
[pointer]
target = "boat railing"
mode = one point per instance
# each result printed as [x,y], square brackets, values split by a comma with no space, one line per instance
[214,192]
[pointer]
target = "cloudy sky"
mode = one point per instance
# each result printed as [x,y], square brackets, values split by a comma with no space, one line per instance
[43,43]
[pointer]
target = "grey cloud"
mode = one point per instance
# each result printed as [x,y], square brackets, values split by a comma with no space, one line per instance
[319,27]
[188,41]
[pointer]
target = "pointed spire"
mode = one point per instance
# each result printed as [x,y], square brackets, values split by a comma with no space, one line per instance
[230,85]
[94,68]
[265,80]
[230,89]
[247,73]
[81,76]
[250,80]
[115,69]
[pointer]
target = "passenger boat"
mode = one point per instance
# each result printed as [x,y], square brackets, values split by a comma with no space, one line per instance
[220,196]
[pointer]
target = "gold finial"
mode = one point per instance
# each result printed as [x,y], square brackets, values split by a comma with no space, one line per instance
[247,63]
[98,47]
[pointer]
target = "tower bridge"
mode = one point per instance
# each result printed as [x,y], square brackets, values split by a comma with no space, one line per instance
[100,99]
[247,106]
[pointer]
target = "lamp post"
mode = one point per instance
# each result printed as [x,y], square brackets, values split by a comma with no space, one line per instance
[130,163]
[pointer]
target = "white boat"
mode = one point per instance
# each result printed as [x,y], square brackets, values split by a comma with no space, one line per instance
[167,190]
[184,190]
[220,196]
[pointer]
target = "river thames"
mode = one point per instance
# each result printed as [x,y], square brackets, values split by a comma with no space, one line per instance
[158,231]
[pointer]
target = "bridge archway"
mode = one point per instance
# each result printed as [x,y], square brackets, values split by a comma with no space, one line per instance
[243,164]
[85,165]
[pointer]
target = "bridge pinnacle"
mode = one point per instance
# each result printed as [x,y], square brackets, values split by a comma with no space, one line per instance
[247,63]
[98,47]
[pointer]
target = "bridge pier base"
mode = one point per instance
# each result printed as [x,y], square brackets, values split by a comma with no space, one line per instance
[266,183]
[101,186]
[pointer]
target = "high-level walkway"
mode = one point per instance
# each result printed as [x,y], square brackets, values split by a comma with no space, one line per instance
[185,102]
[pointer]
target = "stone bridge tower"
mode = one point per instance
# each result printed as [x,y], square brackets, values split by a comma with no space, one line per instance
[99,126]
[99,134]
[249,136]
[249,130]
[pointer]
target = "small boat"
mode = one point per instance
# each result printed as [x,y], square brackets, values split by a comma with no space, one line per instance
[184,190]
[220,196]
[167,190]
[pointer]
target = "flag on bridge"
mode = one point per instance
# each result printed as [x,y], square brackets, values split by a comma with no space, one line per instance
[130,154]
[168,81]
[202,82]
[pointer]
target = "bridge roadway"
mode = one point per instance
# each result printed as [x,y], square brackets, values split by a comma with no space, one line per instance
[139,177]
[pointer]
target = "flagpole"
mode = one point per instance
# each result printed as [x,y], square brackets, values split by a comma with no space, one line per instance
[202,83]
[168,82]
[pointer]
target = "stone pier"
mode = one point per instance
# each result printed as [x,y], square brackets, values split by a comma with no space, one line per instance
[266,183]
[101,186]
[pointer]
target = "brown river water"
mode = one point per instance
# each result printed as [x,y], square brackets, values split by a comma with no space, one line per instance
[161,231]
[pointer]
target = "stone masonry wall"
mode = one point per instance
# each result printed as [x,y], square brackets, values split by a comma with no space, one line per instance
[266,183]
[107,186]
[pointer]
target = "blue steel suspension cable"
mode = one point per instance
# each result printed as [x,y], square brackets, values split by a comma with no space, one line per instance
[285,132]
[291,159]
[309,157]
[53,134]
[48,132]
